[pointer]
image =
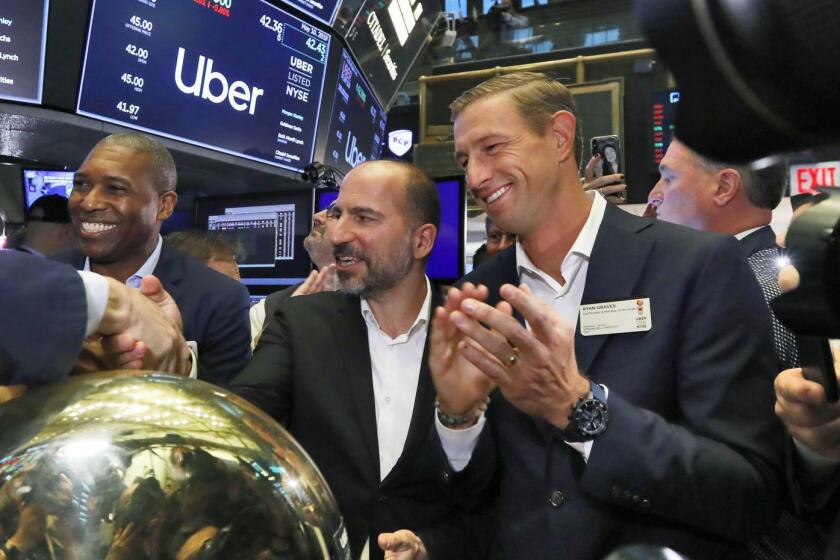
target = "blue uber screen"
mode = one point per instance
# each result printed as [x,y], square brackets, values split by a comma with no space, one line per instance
[242,77]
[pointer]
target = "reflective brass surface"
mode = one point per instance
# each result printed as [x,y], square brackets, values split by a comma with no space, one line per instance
[134,466]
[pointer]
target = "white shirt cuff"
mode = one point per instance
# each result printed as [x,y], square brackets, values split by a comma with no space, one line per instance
[459,444]
[96,294]
[193,346]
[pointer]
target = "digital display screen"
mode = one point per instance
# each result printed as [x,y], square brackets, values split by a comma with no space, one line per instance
[663,118]
[446,260]
[357,121]
[40,182]
[322,10]
[23,33]
[386,37]
[269,229]
[241,77]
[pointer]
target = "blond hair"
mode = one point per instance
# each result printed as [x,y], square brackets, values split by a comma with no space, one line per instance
[536,97]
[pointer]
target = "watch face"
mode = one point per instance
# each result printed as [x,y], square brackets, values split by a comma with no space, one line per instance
[591,418]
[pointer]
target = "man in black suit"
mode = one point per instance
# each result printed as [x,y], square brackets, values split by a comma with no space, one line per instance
[699,193]
[703,194]
[63,306]
[651,422]
[122,193]
[346,372]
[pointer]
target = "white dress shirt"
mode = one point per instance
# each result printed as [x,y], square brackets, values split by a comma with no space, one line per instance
[395,368]
[565,299]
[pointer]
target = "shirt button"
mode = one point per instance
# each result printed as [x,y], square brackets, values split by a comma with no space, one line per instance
[387,399]
[556,498]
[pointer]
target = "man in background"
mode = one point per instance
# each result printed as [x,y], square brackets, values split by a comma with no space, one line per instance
[322,279]
[122,193]
[496,242]
[220,254]
[48,229]
[734,200]
[703,194]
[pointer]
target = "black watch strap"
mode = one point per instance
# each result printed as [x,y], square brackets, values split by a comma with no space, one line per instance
[589,416]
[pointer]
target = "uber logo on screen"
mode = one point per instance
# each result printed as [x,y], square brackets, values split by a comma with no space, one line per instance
[238,94]
[404,15]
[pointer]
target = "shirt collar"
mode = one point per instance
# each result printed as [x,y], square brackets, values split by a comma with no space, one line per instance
[421,319]
[147,268]
[583,244]
[743,234]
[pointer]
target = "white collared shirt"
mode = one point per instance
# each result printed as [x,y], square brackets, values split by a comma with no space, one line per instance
[145,269]
[565,299]
[743,234]
[395,367]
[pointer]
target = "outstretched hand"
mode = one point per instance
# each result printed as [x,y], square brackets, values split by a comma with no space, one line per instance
[402,545]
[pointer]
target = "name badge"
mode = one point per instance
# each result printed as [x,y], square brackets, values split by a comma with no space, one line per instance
[613,317]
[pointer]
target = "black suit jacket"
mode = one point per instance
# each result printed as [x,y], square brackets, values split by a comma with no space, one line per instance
[214,309]
[692,454]
[42,344]
[311,371]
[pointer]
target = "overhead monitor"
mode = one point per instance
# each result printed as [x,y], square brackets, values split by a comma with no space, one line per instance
[269,229]
[387,37]
[240,77]
[41,182]
[322,10]
[446,262]
[23,34]
[357,121]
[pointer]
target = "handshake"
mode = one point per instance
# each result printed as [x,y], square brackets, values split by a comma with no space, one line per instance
[140,329]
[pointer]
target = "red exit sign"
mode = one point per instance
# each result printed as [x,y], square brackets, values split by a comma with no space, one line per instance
[806,178]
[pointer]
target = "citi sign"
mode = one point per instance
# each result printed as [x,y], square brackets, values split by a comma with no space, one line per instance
[240,95]
[404,15]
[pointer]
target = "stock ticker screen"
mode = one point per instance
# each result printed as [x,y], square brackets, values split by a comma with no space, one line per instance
[386,37]
[240,77]
[23,31]
[269,230]
[357,121]
[322,10]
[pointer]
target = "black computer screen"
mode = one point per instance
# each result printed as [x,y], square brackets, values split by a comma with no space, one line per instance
[269,230]
[23,32]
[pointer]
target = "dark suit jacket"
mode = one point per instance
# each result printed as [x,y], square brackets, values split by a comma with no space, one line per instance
[43,314]
[214,309]
[311,371]
[692,454]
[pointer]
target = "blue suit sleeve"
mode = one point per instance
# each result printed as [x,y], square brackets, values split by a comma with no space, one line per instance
[43,314]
